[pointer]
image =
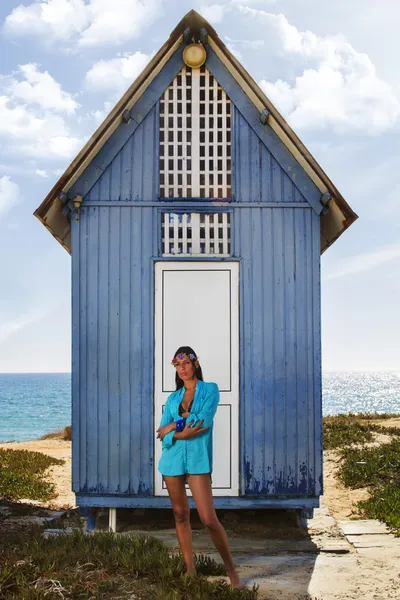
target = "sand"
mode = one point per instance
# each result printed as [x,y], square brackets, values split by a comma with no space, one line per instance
[337,498]
[60,474]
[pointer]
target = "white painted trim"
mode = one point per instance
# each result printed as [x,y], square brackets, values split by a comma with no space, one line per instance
[195,133]
[192,245]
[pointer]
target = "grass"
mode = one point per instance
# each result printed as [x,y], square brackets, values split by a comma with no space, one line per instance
[379,469]
[376,467]
[106,566]
[343,430]
[62,434]
[23,475]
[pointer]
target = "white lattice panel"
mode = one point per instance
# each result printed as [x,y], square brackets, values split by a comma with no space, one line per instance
[195,137]
[196,234]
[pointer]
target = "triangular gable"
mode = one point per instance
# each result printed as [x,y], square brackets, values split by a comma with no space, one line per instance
[240,100]
[262,116]
[190,128]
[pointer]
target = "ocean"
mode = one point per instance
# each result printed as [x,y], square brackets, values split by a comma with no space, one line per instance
[34,404]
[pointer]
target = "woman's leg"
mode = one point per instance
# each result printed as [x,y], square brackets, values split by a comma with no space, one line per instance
[200,486]
[180,506]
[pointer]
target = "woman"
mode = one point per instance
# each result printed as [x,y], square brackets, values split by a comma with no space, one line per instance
[186,433]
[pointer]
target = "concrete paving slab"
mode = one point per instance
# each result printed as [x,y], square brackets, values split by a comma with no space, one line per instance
[336,547]
[370,541]
[203,543]
[382,553]
[363,526]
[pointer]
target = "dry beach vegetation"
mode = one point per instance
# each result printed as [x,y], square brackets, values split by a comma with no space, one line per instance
[361,480]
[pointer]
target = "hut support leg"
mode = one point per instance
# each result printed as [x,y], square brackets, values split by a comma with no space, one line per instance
[89,514]
[302,515]
[91,520]
[112,519]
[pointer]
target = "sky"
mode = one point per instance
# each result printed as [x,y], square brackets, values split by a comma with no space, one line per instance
[331,68]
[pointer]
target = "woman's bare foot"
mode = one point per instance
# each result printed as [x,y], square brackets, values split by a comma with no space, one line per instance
[190,573]
[236,583]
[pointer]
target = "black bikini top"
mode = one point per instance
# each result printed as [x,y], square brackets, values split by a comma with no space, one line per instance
[181,410]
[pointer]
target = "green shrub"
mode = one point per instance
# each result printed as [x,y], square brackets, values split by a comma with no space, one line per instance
[371,466]
[23,475]
[340,432]
[369,416]
[379,469]
[384,504]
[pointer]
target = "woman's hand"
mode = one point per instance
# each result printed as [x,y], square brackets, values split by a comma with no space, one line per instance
[190,432]
[162,431]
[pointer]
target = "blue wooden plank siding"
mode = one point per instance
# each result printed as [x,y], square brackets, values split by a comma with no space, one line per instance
[257,176]
[280,354]
[132,173]
[126,131]
[112,325]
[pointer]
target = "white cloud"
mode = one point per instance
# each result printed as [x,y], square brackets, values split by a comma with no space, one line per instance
[232,44]
[116,74]
[41,89]
[365,262]
[391,204]
[252,44]
[339,87]
[11,326]
[61,19]
[236,53]
[41,173]
[213,13]
[36,134]
[99,115]
[87,23]
[9,195]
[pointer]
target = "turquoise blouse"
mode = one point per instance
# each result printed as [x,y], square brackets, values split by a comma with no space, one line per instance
[194,455]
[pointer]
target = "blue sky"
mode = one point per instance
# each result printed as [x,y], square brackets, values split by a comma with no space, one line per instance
[330,68]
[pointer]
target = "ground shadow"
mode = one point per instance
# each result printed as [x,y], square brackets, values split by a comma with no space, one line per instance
[270,548]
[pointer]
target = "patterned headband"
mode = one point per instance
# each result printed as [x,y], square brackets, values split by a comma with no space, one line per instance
[182,355]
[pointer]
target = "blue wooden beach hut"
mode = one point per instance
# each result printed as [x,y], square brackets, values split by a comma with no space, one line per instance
[195,216]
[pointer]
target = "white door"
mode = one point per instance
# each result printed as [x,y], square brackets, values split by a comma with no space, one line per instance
[197,305]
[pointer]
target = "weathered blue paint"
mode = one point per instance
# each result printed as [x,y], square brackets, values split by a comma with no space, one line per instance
[199,206]
[130,176]
[125,131]
[112,324]
[280,354]
[233,502]
[275,233]
[275,146]
[258,177]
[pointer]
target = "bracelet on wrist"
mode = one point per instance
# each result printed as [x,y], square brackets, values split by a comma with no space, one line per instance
[180,424]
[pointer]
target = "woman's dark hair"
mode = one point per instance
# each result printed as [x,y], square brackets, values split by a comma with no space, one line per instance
[198,372]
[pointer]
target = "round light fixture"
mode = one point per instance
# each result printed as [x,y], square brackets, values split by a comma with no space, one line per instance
[194,55]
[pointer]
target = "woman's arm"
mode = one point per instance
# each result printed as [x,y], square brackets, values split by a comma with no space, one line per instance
[189,431]
[167,419]
[208,409]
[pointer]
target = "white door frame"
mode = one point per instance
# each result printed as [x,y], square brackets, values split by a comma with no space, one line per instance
[226,422]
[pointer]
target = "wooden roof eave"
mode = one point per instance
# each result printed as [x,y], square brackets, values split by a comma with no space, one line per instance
[97,140]
[340,215]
